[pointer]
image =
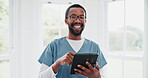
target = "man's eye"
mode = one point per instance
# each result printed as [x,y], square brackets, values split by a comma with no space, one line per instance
[73,17]
[81,17]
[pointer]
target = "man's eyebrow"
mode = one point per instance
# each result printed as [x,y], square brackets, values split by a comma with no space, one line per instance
[73,14]
[81,15]
[76,15]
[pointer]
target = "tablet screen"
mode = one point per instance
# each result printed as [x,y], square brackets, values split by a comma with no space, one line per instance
[82,58]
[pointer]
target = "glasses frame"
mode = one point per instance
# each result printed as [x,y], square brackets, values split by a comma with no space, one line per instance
[77,17]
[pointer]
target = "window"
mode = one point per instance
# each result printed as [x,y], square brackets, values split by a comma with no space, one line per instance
[126,36]
[4,39]
[53,21]
[53,16]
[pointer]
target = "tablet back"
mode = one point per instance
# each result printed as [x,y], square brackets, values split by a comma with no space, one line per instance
[81,59]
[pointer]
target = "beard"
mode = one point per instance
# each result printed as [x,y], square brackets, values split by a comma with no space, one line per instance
[75,32]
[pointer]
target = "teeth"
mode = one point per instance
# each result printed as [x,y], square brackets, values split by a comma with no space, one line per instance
[77,26]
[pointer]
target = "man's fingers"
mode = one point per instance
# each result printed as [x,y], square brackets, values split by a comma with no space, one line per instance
[69,58]
[70,55]
[80,72]
[89,65]
[83,68]
[92,72]
[97,66]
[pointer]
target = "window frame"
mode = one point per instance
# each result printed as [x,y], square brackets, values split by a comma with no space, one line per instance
[8,54]
[145,66]
[122,56]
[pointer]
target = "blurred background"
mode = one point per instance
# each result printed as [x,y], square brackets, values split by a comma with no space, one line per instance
[118,26]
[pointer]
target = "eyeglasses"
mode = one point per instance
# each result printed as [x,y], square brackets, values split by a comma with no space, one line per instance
[75,17]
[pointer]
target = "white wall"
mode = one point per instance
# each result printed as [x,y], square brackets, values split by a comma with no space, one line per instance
[93,21]
[27,40]
[30,38]
[96,17]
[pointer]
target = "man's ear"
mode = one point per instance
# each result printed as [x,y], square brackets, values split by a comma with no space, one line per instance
[66,21]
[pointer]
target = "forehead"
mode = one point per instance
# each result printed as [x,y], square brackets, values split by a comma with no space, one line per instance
[77,11]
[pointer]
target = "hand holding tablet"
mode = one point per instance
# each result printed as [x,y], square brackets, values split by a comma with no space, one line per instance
[81,59]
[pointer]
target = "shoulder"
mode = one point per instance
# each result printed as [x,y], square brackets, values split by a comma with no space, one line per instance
[91,42]
[57,41]
[93,45]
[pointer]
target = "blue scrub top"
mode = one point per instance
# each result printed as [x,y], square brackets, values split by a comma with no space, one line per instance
[60,47]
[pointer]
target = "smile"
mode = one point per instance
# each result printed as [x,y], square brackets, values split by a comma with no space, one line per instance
[77,27]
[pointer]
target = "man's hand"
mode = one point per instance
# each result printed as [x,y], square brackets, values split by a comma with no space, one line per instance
[92,72]
[66,59]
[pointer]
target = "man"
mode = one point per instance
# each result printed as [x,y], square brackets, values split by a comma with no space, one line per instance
[57,58]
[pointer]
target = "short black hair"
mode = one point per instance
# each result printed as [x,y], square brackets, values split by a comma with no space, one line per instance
[73,6]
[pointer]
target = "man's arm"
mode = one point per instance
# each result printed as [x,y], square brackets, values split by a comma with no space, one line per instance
[103,72]
[46,72]
[66,59]
[50,72]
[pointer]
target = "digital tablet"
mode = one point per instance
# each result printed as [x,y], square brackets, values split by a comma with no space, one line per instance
[81,59]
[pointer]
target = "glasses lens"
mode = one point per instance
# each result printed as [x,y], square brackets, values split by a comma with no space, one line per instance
[74,17]
[82,17]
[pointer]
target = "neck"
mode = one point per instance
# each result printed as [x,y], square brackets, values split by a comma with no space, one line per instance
[72,37]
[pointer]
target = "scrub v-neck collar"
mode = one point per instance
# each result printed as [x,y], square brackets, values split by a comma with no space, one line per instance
[70,47]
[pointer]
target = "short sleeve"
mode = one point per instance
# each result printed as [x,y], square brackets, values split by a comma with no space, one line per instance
[46,57]
[101,59]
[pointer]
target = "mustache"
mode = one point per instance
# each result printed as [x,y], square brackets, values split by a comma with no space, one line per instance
[77,23]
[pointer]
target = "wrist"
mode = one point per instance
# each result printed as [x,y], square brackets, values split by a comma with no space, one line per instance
[55,67]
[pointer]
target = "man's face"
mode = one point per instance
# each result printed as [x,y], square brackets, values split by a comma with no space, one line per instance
[76,21]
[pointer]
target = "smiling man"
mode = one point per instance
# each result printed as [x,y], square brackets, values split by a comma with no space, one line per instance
[57,58]
[75,20]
